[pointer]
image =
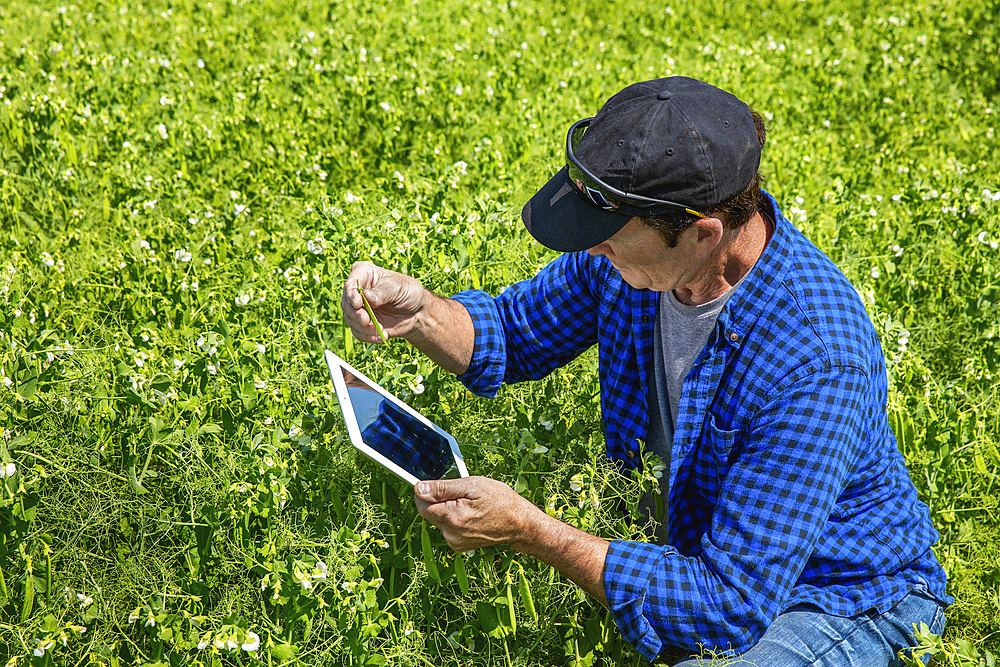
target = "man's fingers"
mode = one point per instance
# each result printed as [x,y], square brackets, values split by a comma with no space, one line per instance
[440,490]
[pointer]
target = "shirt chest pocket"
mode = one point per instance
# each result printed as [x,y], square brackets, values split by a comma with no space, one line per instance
[711,459]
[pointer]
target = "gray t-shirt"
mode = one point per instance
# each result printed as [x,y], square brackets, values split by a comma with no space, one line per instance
[681,333]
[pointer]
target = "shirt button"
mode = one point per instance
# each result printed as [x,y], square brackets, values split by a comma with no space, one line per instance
[734,336]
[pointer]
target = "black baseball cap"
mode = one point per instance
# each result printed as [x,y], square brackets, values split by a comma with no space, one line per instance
[675,139]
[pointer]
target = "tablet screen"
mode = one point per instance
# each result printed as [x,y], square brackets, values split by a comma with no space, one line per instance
[391,432]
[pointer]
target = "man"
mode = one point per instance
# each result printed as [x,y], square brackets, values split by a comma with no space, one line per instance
[732,346]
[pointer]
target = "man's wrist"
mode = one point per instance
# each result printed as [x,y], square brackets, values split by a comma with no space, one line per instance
[443,330]
[532,532]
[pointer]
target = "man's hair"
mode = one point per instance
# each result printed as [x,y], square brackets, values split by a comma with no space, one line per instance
[734,212]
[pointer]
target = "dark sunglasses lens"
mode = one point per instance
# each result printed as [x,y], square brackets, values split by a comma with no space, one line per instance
[590,190]
[577,136]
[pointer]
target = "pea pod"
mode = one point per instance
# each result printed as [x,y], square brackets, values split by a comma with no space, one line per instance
[510,609]
[460,575]
[48,573]
[425,543]
[371,314]
[29,593]
[526,599]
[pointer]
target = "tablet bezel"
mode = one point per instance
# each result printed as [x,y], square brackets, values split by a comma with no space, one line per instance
[334,363]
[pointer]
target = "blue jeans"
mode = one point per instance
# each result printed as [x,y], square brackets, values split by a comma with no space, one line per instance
[804,635]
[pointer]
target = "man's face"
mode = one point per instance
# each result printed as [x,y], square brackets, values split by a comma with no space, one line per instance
[644,260]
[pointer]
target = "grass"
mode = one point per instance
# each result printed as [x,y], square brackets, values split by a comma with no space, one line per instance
[184,186]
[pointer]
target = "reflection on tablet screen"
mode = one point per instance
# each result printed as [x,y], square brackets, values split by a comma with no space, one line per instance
[395,434]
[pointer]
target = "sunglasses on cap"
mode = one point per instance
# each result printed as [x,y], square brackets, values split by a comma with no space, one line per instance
[604,196]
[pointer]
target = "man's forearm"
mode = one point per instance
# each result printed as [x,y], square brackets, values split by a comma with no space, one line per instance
[577,555]
[444,333]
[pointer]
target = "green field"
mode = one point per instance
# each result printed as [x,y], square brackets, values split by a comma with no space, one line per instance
[184,186]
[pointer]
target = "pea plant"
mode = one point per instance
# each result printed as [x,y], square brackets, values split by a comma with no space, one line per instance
[184,187]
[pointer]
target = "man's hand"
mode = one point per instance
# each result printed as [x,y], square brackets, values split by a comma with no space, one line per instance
[474,512]
[440,328]
[396,300]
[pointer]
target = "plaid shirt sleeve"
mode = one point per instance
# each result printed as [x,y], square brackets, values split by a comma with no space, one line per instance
[533,327]
[790,466]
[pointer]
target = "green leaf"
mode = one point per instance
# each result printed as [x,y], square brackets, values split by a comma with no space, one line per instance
[26,389]
[425,544]
[460,574]
[209,429]
[487,615]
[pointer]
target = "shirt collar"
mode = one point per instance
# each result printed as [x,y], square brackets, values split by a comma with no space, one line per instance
[749,300]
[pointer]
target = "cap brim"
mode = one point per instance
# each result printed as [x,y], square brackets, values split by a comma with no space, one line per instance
[559,218]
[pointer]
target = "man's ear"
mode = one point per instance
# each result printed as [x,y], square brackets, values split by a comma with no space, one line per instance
[707,234]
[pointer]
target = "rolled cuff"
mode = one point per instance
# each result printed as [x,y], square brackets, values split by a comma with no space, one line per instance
[628,572]
[489,353]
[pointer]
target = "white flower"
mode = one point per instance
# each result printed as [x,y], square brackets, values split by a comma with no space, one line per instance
[317,244]
[260,384]
[205,641]
[540,449]
[576,483]
[320,571]
[239,209]
[162,130]
[8,470]
[242,299]
[178,363]
[182,255]
[981,237]
[47,260]
[43,646]
[302,579]
[261,349]
[85,600]
[252,643]
[385,106]
[351,198]
[151,621]
[875,272]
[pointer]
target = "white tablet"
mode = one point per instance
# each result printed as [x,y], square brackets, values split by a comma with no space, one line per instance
[391,432]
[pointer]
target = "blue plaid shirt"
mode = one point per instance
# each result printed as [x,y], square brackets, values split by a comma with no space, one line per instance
[786,485]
